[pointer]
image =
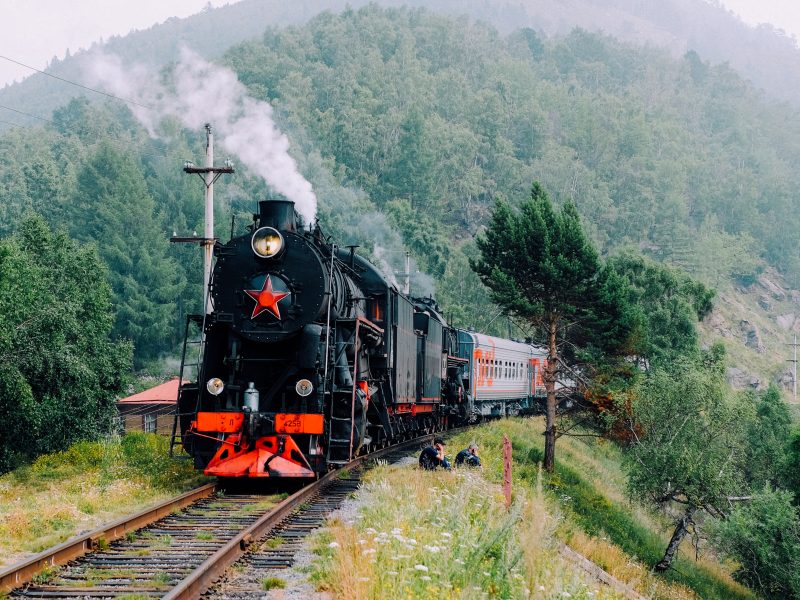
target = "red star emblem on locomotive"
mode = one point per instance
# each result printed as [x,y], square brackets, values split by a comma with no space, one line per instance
[266,299]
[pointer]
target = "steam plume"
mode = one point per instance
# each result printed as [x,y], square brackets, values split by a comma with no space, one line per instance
[198,92]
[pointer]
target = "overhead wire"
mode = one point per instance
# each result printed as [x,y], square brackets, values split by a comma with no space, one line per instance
[21,112]
[85,87]
[27,114]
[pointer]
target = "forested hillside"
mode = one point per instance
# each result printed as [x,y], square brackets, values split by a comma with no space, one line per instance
[428,119]
[767,56]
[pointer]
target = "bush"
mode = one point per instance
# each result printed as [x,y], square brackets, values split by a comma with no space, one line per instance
[764,537]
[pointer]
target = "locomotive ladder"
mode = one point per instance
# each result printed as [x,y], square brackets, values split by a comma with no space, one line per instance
[188,363]
[340,448]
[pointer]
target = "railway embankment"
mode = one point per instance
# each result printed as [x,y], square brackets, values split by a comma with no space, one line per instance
[410,533]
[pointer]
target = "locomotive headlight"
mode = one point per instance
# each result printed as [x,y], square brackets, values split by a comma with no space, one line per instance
[303,388]
[215,385]
[266,242]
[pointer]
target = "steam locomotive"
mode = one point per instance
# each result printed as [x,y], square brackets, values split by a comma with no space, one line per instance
[311,356]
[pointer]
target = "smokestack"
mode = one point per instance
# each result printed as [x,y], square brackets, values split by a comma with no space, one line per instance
[278,214]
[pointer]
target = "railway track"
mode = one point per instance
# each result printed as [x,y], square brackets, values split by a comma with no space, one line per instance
[180,555]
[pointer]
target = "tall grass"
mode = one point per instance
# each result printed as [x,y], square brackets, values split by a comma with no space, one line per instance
[588,489]
[60,494]
[426,534]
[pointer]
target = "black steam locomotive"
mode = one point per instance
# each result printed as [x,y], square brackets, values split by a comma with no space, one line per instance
[310,356]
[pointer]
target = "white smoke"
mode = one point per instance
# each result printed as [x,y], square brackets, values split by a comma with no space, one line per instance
[198,92]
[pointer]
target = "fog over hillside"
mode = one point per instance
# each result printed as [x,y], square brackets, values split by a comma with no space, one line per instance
[768,57]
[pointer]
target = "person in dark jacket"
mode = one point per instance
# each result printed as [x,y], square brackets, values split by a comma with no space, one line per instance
[433,456]
[468,456]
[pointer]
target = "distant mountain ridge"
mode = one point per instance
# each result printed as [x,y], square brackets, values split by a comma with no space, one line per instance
[766,56]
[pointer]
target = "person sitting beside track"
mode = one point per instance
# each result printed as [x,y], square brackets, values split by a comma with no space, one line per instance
[433,456]
[469,456]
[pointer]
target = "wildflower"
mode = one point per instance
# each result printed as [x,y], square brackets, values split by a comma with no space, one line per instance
[333,545]
[363,578]
[396,531]
[447,534]
[421,568]
[541,588]
[425,578]
[392,573]
[370,531]
[411,541]
[362,542]
[368,551]
[459,561]
[487,574]
[566,594]
[433,549]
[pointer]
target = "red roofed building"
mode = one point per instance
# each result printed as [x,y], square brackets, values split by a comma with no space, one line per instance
[151,411]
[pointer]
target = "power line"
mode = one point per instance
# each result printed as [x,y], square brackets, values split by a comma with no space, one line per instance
[22,112]
[76,84]
[119,143]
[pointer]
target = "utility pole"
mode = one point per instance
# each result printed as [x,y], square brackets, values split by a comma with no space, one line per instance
[794,368]
[209,174]
[408,273]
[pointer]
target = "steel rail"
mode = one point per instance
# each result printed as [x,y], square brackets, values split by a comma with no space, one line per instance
[23,572]
[199,580]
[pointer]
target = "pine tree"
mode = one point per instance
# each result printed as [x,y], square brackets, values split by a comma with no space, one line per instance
[539,265]
[113,209]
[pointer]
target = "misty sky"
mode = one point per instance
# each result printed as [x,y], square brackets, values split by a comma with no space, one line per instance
[34,31]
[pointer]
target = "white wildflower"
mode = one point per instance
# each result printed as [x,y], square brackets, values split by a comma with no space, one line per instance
[459,561]
[396,531]
[333,545]
[425,578]
[362,542]
[411,541]
[368,551]
[433,549]
[370,531]
[566,595]
[487,574]
[447,534]
[421,568]
[541,588]
[363,578]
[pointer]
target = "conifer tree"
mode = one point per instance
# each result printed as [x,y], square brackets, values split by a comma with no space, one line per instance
[540,266]
[113,208]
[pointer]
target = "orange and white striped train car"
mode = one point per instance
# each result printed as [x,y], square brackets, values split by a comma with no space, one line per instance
[502,376]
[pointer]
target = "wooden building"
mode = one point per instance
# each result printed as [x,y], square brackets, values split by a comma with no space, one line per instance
[151,411]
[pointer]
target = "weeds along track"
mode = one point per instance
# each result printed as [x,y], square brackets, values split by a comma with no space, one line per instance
[273,557]
[182,554]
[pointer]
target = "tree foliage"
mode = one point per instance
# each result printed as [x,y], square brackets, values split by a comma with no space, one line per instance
[59,367]
[539,265]
[691,446]
[763,537]
[113,208]
[670,304]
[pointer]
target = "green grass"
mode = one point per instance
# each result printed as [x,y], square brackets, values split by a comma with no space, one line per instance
[160,580]
[443,535]
[272,583]
[588,487]
[273,542]
[204,535]
[60,494]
